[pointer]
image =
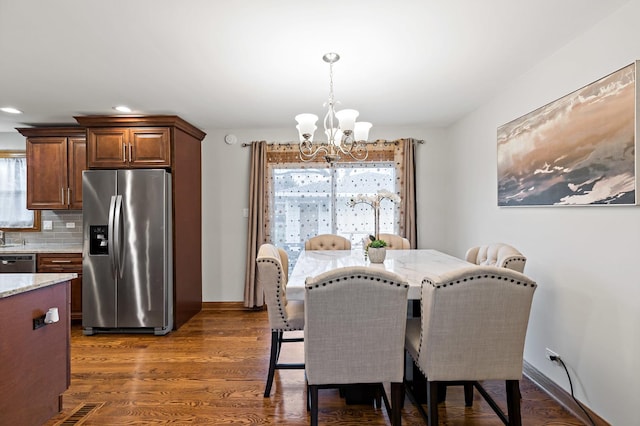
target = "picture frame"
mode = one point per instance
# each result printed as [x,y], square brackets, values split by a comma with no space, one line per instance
[578,150]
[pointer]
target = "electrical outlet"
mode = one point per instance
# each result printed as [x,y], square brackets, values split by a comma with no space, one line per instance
[47,225]
[71,225]
[552,356]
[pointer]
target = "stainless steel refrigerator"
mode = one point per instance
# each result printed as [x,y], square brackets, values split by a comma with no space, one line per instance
[127,283]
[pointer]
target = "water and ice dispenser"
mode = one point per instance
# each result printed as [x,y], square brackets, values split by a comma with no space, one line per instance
[98,239]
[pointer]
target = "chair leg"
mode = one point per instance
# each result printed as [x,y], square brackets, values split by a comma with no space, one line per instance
[468,394]
[432,402]
[513,402]
[397,398]
[314,404]
[275,349]
[442,392]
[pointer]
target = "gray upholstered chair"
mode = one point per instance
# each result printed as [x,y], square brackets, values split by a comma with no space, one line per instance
[395,242]
[497,254]
[472,327]
[327,242]
[284,315]
[355,324]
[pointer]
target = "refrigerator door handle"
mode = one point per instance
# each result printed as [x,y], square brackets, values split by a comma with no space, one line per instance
[110,236]
[117,225]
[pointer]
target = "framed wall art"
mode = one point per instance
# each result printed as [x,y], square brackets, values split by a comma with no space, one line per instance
[578,150]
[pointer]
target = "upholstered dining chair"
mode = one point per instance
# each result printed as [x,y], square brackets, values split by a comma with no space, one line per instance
[284,315]
[472,327]
[355,319]
[497,254]
[327,242]
[395,242]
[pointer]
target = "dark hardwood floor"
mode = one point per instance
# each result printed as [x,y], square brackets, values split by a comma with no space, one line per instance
[212,371]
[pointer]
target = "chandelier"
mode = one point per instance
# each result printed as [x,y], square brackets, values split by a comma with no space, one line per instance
[344,135]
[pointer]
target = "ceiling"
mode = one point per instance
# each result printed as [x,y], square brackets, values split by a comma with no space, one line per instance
[243,64]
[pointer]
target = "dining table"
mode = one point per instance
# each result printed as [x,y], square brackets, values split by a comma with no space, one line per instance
[411,265]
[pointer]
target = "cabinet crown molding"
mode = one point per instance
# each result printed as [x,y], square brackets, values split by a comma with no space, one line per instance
[51,131]
[140,121]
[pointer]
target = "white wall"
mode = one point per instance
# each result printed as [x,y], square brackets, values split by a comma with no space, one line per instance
[225,175]
[12,141]
[587,306]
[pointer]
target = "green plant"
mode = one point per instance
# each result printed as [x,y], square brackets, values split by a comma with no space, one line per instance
[375,243]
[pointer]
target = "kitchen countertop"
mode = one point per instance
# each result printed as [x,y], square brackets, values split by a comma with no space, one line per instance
[41,248]
[12,284]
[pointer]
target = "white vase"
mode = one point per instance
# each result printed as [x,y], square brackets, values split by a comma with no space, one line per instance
[377,255]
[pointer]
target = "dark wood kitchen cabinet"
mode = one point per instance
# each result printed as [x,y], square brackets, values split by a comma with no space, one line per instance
[117,147]
[56,157]
[168,142]
[62,263]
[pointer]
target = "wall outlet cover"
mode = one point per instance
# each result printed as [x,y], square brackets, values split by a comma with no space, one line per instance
[47,224]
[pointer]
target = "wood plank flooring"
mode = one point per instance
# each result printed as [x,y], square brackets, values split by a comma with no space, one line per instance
[212,371]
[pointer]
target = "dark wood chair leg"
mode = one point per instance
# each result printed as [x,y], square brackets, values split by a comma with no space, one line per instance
[397,398]
[432,402]
[419,385]
[314,404]
[513,402]
[275,349]
[442,392]
[468,394]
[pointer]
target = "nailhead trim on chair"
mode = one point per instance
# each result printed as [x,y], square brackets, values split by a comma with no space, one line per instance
[515,259]
[359,277]
[280,307]
[479,277]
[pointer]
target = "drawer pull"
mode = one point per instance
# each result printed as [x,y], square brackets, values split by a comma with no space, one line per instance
[60,261]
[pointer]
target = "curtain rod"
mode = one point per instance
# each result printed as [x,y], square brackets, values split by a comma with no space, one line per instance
[384,142]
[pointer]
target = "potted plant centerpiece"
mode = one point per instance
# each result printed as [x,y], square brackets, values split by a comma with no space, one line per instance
[376,250]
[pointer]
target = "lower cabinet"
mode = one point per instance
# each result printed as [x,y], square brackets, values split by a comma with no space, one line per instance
[65,262]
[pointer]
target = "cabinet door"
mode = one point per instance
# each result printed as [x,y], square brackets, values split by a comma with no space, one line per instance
[61,263]
[107,148]
[47,173]
[77,153]
[150,147]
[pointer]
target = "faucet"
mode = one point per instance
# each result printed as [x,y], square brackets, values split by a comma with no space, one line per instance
[2,242]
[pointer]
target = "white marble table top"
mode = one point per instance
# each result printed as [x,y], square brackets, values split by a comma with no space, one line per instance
[410,264]
[12,284]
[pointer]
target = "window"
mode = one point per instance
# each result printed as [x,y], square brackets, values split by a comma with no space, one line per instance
[309,201]
[14,216]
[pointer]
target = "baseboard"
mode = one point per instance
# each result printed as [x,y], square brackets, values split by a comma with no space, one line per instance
[227,306]
[561,396]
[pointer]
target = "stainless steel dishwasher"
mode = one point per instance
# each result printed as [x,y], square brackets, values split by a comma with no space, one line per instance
[18,263]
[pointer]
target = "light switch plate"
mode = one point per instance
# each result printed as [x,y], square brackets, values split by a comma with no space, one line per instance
[47,225]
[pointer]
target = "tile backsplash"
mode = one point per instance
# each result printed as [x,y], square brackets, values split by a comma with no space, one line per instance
[59,234]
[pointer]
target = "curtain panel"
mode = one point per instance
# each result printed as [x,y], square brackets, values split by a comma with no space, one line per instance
[13,202]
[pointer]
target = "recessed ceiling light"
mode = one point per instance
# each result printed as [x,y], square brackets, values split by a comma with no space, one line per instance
[122,108]
[11,110]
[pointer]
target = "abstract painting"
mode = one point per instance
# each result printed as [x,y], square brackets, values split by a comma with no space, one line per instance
[578,150]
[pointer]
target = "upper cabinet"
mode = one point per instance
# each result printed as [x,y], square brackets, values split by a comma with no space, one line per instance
[149,141]
[117,147]
[56,157]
